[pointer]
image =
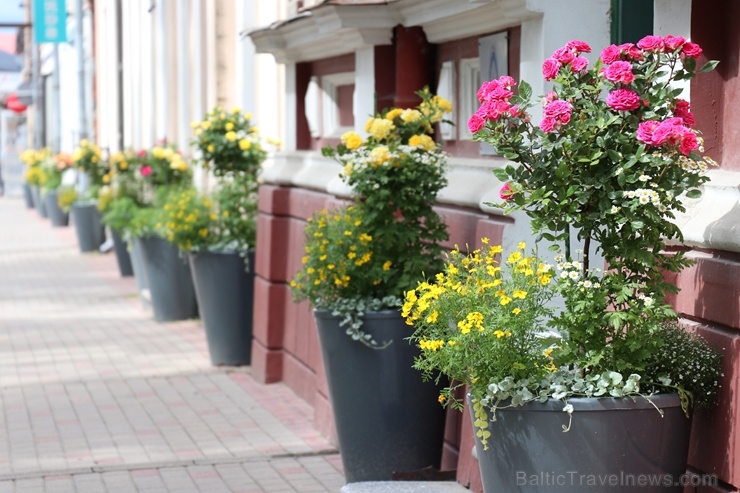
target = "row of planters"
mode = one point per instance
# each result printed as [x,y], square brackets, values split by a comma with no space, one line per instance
[191,251]
[570,369]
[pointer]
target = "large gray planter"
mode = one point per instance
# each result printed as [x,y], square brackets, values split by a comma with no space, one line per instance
[387,419]
[170,282]
[89,229]
[613,445]
[225,291]
[28,195]
[57,216]
[142,283]
[38,200]
[123,257]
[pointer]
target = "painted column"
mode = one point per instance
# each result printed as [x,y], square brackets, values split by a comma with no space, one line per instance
[161,70]
[413,62]
[364,97]
[183,76]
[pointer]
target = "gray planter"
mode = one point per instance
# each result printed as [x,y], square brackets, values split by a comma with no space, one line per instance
[38,201]
[613,445]
[225,292]
[28,195]
[123,257]
[387,419]
[170,282]
[142,283]
[57,216]
[89,229]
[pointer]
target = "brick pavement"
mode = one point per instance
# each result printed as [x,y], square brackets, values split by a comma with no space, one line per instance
[96,396]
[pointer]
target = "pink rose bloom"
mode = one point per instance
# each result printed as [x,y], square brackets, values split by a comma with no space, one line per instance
[492,110]
[490,90]
[672,43]
[689,142]
[550,68]
[670,130]
[579,46]
[141,153]
[683,111]
[547,124]
[476,122]
[651,43]
[611,54]
[516,112]
[645,131]
[506,192]
[507,81]
[549,97]
[579,64]
[564,55]
[632,51]
[692,50]
[619,72]
[558,108]
[146,170]
[623,100]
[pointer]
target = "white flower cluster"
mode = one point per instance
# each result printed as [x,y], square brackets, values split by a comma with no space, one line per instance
[696,167]
[644,195]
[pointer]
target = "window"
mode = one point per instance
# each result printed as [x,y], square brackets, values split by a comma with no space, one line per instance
[329,105]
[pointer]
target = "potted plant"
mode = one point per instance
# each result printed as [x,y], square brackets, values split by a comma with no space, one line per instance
[606,167]
[35,177]
[55,169]
[162,171]
[85,214]
[217,231]
[359,261]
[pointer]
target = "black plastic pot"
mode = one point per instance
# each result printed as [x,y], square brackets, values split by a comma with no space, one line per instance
[38,200]
[123,257]
[387,419]
[225,292]
[140,275]
[28,195]
[617,445]
[170,282]
[57,216]
[89,229]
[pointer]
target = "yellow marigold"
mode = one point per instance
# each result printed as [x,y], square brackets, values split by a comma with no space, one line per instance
[351,140]
[424,141]
[387,265]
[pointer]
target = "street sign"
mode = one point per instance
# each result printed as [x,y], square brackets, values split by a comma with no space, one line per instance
[49,21]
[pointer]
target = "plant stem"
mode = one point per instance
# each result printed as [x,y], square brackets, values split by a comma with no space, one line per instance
[586,247]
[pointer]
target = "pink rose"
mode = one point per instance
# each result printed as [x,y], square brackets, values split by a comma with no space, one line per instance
[493,90]
[611,54]
[476,122]
[672,43]
[619,72]
[692,50]
[146,170]
[141,153]
[549,97]
[683,111]
[623,100]
[632,51]
[506,193]
[579,64]
[578,46]
[507,81]
[651,43]
[689,142]
[564,55]
[550,68]
[516,112]
[645,131]
[670,130]
[547,124]
[492,110]
[558,108]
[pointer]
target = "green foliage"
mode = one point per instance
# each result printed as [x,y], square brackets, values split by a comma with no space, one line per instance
[120,213]
[66,196]
[88,159]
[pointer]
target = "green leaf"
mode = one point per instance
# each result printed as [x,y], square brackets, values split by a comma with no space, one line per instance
[694,193]
[709,66]
[501,174]
[525,90]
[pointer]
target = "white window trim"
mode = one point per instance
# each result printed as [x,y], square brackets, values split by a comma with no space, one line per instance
[330,109]
[469,78]
[446,89]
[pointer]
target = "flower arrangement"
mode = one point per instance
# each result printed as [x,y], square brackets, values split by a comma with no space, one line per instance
[229,142]
[88,158]
[54,169]
[607,165]
[223,221]
[34,161]
[363,257]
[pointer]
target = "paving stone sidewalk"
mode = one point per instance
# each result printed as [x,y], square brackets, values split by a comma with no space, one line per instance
[96,396]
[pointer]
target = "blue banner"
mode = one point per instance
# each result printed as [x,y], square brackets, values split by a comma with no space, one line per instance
[49,21]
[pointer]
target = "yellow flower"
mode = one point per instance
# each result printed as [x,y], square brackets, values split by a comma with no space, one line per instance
[229,126]
[424,141]
[379,155]
[518,293]
[210,148]
[244,144]
[410,115]
[205,125]
[381,128]
[516,311]
[348,169]
[351,140]
[387,265]
[230,136]
[522,245]
[393,114]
